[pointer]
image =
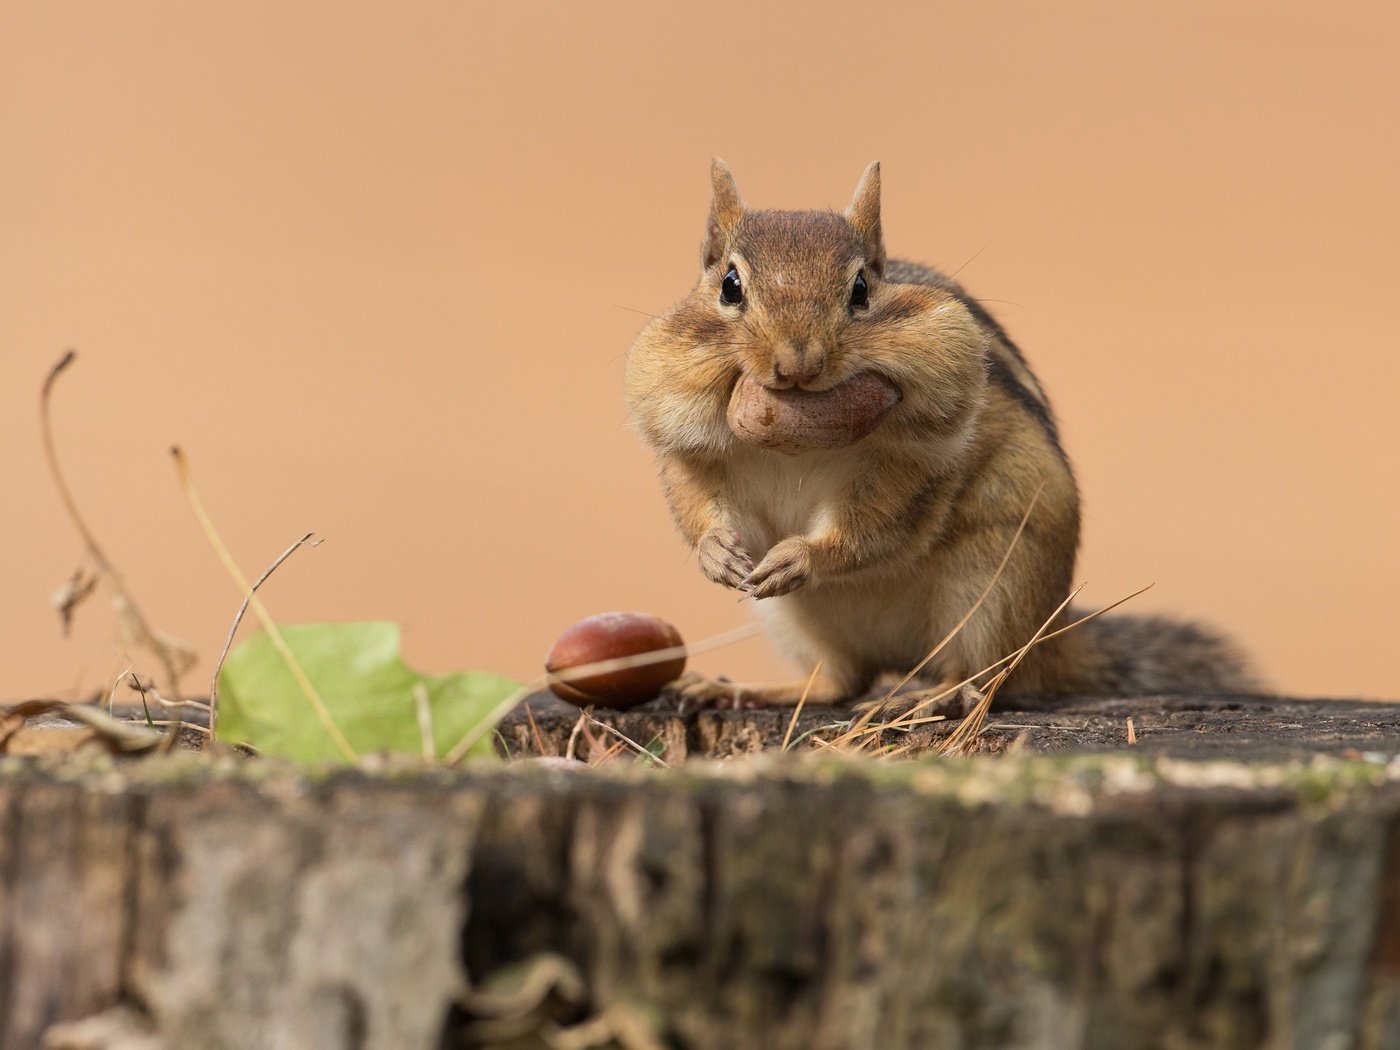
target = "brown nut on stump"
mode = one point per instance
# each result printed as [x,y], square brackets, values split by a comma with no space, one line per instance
[796,420]
[612,636]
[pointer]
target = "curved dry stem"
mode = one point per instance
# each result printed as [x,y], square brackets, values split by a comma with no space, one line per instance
[175,656]
[274,634]
[305,541]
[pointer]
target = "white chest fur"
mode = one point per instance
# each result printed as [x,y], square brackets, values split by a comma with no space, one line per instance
[773,495]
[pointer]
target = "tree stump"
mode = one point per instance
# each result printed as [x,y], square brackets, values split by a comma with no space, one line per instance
[1181,893]
[1242,728]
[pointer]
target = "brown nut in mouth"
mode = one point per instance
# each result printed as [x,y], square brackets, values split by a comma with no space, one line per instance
[797,420]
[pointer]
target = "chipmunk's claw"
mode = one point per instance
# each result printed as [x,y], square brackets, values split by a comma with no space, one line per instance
[785,568]
[694,691]
[722,557]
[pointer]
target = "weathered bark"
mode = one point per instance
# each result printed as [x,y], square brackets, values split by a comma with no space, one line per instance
[238,914]
[1001,901]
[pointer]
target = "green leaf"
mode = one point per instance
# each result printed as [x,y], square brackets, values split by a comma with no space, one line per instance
[365,684]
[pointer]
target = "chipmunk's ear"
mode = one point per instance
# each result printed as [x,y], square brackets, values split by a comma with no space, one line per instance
[726,209]
[864,215]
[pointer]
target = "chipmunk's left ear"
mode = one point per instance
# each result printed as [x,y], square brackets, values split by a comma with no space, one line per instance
[726,209]
[864,215]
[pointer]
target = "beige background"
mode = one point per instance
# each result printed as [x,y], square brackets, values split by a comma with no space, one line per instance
[375,267]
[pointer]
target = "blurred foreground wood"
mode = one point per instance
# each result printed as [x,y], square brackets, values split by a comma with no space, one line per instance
[1117,900]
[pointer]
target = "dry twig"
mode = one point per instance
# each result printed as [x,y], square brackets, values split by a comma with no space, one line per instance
[305,541]
[175,656]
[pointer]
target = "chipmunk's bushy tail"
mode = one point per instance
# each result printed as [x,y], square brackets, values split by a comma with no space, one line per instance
[1133,655]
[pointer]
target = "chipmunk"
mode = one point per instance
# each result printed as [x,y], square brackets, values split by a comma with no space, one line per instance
[865,549]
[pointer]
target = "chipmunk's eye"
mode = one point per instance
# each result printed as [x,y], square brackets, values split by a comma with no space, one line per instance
[731,291]
[860,292]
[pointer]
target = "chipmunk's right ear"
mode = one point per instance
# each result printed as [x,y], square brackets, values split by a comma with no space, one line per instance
[726,209]
[864,214]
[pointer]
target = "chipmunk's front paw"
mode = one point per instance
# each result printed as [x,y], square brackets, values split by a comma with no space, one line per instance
[694,691]
[786,567]
[722,557]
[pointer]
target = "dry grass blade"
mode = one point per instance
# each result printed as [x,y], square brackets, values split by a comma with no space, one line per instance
[425,721]
[305,541]
[269,625]
[981,598]
[571,751]
[866,726]
[961,739]
[596,753]
[535,734]
[119,735]
[908,717]
[811,734]
[175,656]
[609,755]
[198,705]
[905,724]
[488,724]
[801,702]
[874,710]
[1095,614]
[655,656]
[1132,734]
[914,716]
[112,693]
[627,740]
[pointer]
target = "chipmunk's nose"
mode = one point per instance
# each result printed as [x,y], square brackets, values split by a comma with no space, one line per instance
[796,363]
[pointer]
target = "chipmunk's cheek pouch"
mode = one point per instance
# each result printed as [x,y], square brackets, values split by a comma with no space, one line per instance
[796,420]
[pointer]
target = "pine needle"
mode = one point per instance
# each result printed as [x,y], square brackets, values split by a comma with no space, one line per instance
[797,711]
